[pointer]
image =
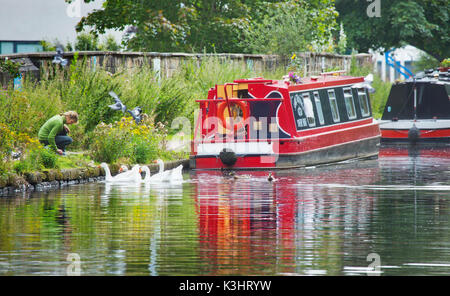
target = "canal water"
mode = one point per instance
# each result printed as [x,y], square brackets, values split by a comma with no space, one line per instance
[385,216]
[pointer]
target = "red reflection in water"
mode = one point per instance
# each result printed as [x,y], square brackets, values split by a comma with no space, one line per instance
[426,152]
[234,220]
[252,225]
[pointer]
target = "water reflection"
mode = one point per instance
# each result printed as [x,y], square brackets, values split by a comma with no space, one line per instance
[315,221]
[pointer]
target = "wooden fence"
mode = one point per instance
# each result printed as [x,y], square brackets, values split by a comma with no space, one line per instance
[37,64]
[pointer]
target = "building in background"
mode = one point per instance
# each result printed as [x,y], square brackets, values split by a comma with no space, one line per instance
[19,46]
[406,56]
[25,23]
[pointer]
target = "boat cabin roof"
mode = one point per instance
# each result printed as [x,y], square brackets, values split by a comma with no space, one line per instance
[238,89]
[306,82]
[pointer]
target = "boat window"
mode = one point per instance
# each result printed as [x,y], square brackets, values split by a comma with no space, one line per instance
[309,111]
[334,106]
[349,103]
[319,107]
[363,102]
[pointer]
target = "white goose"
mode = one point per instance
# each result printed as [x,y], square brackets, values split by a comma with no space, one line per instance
[160,176]
[156,178]
[108,177]
[124,172]
[176,174]
[147,174]
[131,176]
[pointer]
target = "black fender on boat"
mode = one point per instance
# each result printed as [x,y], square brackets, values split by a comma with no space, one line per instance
[414,134]
[228,157]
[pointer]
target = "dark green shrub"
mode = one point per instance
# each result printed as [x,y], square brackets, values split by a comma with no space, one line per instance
[21,167]
[47,158]
[126,139]
[144,151]
[30,163]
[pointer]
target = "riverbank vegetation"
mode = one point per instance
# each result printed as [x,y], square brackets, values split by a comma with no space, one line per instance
[102,133]
[105,135]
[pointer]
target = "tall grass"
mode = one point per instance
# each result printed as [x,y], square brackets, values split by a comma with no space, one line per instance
[85,90]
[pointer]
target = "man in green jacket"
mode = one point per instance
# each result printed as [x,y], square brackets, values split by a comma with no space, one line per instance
[54,131]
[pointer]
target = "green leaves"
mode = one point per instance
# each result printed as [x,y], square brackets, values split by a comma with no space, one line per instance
[218,25]
[10,67]
[424,24]
[292,26]
[125,139]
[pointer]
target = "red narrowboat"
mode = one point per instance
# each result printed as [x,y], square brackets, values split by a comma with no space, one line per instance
[418,110]
[284,124]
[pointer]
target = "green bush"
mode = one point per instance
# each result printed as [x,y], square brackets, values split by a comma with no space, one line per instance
[110,44]
[425,62]
[26,110]
[126,140]
[47,158]
[35,160]
[106,146]
[144,151]
[445,63]
[21,167]
[19,143]
[12,68]
[31,162]
[6,142]
[86,41]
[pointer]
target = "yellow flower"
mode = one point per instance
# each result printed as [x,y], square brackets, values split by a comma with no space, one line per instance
[293,56]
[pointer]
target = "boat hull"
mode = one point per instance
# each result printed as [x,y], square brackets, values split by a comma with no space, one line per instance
[329,147]
[429,132]
[365,148]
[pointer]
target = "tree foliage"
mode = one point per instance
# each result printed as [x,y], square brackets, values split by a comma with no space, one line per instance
[291,26]
[421,23]
[173,25]
[425,62]
[86,42]
[214,25]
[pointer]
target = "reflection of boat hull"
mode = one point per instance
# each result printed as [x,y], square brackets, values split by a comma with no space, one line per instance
[241,221]
[442,153]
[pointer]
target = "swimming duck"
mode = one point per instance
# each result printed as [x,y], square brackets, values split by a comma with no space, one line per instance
[270,178]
